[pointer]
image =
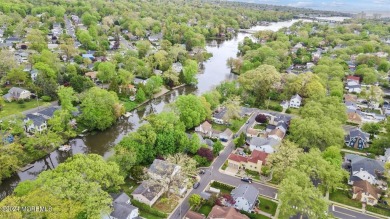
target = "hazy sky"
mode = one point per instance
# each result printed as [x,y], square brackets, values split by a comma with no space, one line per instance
[334,5]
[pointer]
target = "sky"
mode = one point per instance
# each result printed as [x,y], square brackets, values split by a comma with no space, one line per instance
[333,5]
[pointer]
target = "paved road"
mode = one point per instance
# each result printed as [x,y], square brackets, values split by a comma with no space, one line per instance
[213,173]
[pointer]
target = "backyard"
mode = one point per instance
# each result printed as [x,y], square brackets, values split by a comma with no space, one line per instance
[267,206]
[15,107]
[205,209]
[129,186]
[235,125]
[166,204]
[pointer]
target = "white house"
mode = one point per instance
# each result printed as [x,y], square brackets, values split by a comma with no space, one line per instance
[295,101]
[205,129]
[267,145]
[245,197]
[122,207]
[35,123]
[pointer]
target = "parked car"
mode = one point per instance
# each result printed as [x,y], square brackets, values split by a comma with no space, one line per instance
[196,185]
[201,172]
[246,179]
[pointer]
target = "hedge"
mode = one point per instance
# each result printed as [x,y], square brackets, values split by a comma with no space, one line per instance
[147,208]
[217,184]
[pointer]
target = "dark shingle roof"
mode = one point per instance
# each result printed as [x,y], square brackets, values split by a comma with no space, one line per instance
[367,164]
[149,192]
[49,112]
[246,191]
[36,119]
[122,208]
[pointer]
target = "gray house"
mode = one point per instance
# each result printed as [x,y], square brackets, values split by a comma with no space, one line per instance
[245,197]
[17,93]
[122,207]
[363,168]
[35,123]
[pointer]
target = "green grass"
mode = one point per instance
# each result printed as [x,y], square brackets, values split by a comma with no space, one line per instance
[236,124]
[342,196]
[129,186]
[205,209]
[253,174]
[260,126]
[14,107]
[294,111]
[129,105]
[148,216]
[267,206]
[219,127]
[379,209]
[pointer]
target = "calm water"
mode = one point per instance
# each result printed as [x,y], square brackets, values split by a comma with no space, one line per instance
[215,71]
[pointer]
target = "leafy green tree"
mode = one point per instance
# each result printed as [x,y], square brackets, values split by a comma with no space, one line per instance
[332,155]
[125,77]
[191,110]
[100,108]
[213,98]
[67,96]
[80,83]
[298,196]
[194,144]
[187,164]
[217,147]
[195,200]
[285,157]
[372,128]
[106,71]
[11,157]
[125,158]
[143,47]
[233,108]
[153,85]
[140,96]
[190,70]
[37,40]
[17,76]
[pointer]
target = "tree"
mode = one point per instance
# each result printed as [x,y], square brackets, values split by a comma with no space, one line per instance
[125,158]
[82,180]
[125,77]
[206,153]
[37,40]
[285,157]
[233,108]
[17,76]
[153,85]
[11,157]
[240,140]
[321,132]
[260,81]
[189,72]
[138,173]
[297,195]
[371,127]
[143,47]
[67,96]
[187,164]
[106,71]
[261,118]
[333,155]
[191,110]
[7,61]
[140,95]
[195,200]
[194,144]
[80,83]
[213,98]
[68,48]
[217,147]
[100,108]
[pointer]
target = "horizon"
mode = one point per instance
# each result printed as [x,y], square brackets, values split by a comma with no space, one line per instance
[349,6]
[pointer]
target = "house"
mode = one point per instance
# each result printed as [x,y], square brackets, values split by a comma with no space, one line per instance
[295,101]
[92,75]
[155,38]
[147,194]
[226,135]
[357,139]
[150,190]
[219,212]
[245,197]
[365,192]
[17,93]
[48,113]
[310,65]
[194,215]
[250,133]
[122,207]
[386,157]
[278,133]
[177,67]
[254,162]
[138,81]
[354,88]
[205,129]
[218,116]
[363,168]
[353,80]
[266,145]
[35,123]
[33,74]
[12,40]
[354,117]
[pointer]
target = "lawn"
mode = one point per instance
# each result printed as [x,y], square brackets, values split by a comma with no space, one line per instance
[253,174]
[15,107]
[129,186]
[166,205]
[379,209]
[342,196]
[260,126]
[219,127]
[148,216]
[129,105]
[267,206]
[205,209]
[235,125]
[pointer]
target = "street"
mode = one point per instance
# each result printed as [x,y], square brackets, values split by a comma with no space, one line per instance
[212,173]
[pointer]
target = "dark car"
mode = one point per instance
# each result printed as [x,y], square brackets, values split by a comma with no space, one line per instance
[201,172]
[196,185]
[246,179]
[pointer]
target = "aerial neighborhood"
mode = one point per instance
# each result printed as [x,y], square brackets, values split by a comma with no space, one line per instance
[195,110]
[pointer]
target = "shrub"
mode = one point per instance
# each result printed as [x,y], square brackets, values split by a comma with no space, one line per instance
[220,185]
[206,153]
[46,98]
[147,208]
[288,111]
[261,118]
[20,101]
[202,161]
[277,108]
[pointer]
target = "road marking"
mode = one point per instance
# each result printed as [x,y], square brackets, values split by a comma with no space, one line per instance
[345,214]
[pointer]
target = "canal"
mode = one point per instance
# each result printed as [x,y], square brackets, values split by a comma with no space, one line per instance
[215,72]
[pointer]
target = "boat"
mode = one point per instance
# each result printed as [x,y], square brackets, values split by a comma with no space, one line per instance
[128,114]
[65,148]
